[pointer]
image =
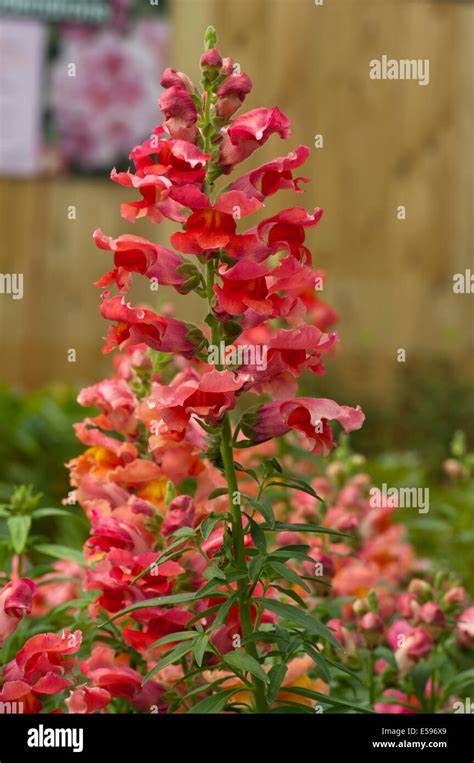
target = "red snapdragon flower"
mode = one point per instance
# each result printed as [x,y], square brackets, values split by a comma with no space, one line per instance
[465,628]
[137,325]
[116,402]
[286,231]
[231,94]
[84,699]
[307,415]
[211,228]
[42,664]
[156,203]
[116,573]
[133,254]
[409,644]
[15,601]
[174,78]
[208,396]
[180,161]
[272,176]
[180,113]
[181,513]
[247,290]
[106,670]
[248,132]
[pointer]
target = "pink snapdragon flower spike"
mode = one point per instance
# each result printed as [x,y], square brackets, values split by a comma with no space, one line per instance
[216,552]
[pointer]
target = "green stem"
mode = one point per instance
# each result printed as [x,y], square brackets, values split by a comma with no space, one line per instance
[371,666]
[238,543]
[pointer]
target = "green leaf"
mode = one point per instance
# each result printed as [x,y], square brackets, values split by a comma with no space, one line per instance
[240,660]
[159,601]
[264,508]
[295,615]
[258,536]
[292,707]
[53,512]
[319,661]
[291,594]
[170,492]
[296,527]
[276,675]
[19,527]
[223,610]
[217,493]
[256,566]
[251,472]
[172,637]
[164,556]
[213,571]
[295,484]
[266,637]
[184,532]
[289,574]
[199,648]
[462,680]
[206,527]
[326,699]
[176,654]
[213,704]
[419,676]
[61,552]
[276,465]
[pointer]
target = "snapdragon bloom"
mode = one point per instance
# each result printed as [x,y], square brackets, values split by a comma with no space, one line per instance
[304,414]
[178,160]
[208,396]
[15,601]
[156,203]
[133,254]
[180,113]
[273,176]
[213,227]
[248,132]
[136,325]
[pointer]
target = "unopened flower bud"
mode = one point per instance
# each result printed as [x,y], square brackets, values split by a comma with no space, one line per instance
[212,59]
[371,621]
[360,607]
[420,588]
[453,468]
[455,595]
[431,614]
[335,470]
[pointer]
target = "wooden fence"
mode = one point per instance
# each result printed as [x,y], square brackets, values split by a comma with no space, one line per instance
[386,144]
